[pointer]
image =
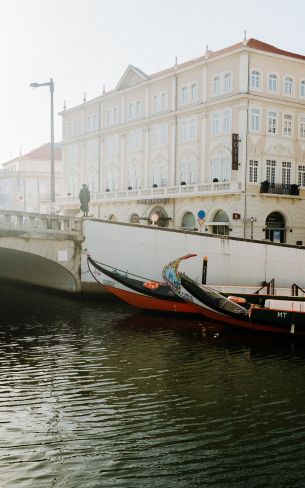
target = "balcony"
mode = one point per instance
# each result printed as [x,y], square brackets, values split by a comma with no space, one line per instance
[279,188]
[178,191]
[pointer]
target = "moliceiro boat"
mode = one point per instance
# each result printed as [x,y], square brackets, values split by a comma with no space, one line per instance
[282,315]
[137,291]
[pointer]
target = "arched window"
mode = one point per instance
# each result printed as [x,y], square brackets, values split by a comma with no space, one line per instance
[288,85]
[134,219]
[275,227]
[255,80]
[93,179]
[271,122]
[188,221]
[160,173]
[194,92]
[189,172]
[159,217]
[111,178]
[272,82]
[134,175]
[220,165]
[184,94]
[216,85]
[221,223]
[227,83]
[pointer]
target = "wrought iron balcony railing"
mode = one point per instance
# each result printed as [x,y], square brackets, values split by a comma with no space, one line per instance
[279,188]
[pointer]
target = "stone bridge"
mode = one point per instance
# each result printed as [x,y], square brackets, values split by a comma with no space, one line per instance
[41,249]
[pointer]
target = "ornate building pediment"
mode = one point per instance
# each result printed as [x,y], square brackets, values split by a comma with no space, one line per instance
[131,77]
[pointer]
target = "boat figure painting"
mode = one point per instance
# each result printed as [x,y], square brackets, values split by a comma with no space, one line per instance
[281,315]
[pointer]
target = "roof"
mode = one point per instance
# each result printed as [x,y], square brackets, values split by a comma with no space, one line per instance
[250,43]
[40,153]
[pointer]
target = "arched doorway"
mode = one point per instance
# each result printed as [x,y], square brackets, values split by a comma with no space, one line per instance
[275,227]
[221,223]
[188,221]
[134,219]
[162,217]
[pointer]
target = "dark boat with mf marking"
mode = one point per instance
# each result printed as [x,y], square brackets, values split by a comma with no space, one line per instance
[278,315]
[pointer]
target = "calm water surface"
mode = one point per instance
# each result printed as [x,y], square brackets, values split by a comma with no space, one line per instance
[95,394]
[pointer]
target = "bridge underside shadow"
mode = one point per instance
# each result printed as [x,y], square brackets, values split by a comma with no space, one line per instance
[35,270]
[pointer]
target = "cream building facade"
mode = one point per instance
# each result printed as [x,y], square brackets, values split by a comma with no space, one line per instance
[159,147]
[25,181]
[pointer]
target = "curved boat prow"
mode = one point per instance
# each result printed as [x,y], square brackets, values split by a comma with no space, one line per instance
[170,273]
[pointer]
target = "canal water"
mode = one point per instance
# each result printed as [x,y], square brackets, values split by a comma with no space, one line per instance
[95,394]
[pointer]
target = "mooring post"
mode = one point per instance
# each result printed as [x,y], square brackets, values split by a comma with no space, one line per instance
[204,270]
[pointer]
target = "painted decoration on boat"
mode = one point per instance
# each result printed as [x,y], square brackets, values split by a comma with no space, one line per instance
[170,273]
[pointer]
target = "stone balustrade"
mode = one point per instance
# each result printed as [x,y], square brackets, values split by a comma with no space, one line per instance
[27,221]
[177,191]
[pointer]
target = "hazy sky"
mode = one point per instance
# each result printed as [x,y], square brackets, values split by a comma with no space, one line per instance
[83,44]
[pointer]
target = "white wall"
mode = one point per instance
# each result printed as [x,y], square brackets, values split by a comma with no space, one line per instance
[145,250]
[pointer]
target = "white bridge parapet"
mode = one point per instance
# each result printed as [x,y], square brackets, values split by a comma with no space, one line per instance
[41,249]
[27,221]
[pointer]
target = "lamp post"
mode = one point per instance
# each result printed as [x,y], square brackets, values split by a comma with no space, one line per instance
[51,85]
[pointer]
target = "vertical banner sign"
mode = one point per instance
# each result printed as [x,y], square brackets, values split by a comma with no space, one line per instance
[235,142]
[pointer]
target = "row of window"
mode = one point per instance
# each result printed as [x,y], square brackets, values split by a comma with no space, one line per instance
[221,123]
[273,83]
[222,84]
[273,123]
[276,172]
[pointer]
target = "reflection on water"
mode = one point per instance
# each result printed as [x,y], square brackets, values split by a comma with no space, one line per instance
[97,395]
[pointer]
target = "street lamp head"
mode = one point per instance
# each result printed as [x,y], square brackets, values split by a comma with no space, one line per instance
[34,85]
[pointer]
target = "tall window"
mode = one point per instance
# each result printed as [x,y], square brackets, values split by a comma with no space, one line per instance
[156,103]
[183,131]
[271,122]
[134,176]
[286,173]
[270,170]
[216,85]
[253,169]
[288,86]
[189,172]
[192,128]
[131,111]
[287,125]
[255,80]
[215,124]
[255,119]
[301,175]
[160,173]
[226,122]
[220,168]
[184,94]
[272,83]
[227,83]
[194,92]
[164,101]
[302,88]
[115,116]
[138,108]
[302,128]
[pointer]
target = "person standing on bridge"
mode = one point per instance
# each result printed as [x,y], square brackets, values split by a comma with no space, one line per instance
[84,197]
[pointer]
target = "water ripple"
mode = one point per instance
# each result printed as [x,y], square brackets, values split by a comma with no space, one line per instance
[95,395]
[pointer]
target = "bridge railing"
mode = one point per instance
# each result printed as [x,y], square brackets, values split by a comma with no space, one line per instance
[12,219]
